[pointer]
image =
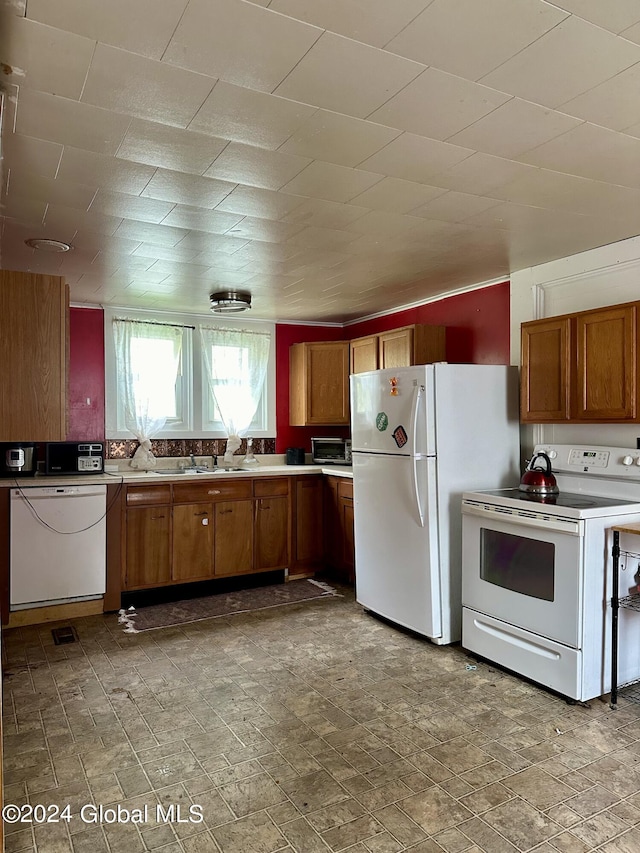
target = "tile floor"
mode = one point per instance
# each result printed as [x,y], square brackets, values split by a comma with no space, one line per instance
[308,728]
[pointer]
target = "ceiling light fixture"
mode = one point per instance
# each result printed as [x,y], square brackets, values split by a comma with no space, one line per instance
[44,244]
[230,301]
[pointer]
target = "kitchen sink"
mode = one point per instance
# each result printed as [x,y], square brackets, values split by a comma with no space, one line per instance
[172,472]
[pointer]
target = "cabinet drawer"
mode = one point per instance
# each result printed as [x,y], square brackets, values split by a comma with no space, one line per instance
[213,490]
[265,488]
[148,495]
[345,490]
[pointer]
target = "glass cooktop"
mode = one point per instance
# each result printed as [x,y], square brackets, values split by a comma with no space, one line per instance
[563,499]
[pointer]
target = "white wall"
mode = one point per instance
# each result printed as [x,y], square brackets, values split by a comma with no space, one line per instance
[605,276]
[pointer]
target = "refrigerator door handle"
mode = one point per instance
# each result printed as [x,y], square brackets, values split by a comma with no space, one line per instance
[416,490]
[419,391]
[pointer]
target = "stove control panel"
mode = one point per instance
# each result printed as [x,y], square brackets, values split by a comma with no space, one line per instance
[596,458]
[611,462]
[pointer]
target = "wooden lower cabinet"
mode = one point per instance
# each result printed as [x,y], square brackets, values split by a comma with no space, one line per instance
[233,549]
[148,547]
[308,523]
[272,533]
[338,528]
[192,546]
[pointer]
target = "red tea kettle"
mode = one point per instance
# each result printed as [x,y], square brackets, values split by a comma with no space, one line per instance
[538,481]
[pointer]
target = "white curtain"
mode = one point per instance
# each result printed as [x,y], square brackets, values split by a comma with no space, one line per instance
[235,362]
[147,360]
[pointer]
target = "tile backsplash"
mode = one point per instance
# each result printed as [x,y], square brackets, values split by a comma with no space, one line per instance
[125,448]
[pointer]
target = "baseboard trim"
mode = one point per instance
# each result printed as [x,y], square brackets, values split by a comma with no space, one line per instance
[55,613]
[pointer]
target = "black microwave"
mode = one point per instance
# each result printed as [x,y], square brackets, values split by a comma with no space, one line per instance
[74,457]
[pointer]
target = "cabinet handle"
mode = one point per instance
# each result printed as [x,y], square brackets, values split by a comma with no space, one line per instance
[197,514]
[156,517]
[214,492]
[225,511]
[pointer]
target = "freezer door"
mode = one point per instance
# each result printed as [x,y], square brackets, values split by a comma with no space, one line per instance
[392,411]
[397,564]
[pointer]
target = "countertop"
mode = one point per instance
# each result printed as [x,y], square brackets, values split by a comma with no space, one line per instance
[129,476]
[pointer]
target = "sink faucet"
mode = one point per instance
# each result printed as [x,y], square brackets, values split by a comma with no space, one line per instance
[193,460]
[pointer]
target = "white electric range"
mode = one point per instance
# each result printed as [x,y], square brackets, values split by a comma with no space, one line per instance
[537,573]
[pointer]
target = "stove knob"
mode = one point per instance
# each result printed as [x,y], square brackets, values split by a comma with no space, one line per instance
[553,453]
[637,460]
[627,460]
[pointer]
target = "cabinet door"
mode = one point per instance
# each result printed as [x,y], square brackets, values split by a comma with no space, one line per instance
[545,386]
[395,348]
[33,355]
[319,383]
[192,547]
[272,533]
[333,544]
[364,354]
[606,375]
[148,554]
[233,538]
[308,521]
[348,557]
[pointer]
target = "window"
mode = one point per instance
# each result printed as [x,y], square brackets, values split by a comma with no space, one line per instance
[212,358]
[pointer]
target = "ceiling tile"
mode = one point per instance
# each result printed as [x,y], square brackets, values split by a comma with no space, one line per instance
[469,38]
[323,238]
[479,173]
[69,122]
[181,188]
[437,105]
[633,33]
[348,77]
[614,104]
[593,152]
[23,210]
[169,147]
[454,207]
[143,27]
[37,155]
[258,167]
[321,213]
[340,139]
[370,21]
[132,84]
[334,183]
[396,195]
[570,59]
[415,158]
[27,185]
[198,219]
[264,229]
[239,42]
[256,118]
[612,16]
[85,167]
[132,207]
[58,216]
[255,201]
[148,232]
[514,128]
[209,244]
[44,58]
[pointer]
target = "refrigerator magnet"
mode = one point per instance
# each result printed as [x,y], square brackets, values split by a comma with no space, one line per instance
[400,436]
[394,386]
[382,421]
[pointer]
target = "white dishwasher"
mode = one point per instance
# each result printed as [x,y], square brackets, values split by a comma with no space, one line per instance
[57,545]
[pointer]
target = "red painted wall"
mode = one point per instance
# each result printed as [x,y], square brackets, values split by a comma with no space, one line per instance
[477,324]
[477,332]
[292,436]
[86,374]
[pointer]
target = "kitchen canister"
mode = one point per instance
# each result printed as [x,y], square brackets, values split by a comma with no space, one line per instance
[295,455]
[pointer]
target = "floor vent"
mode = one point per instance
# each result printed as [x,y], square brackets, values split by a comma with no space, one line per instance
[64,635]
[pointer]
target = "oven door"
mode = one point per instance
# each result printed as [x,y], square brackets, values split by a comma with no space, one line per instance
[525,569]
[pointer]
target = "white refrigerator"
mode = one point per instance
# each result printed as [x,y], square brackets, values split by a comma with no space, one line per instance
[420,437]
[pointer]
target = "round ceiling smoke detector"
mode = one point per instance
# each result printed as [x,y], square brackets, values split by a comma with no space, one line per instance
[44,244]
[230,301]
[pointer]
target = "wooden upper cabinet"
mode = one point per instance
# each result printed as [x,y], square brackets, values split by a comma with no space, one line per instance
[319,383]
[545,384]
[581,367]
[364,354]
[606,377]
[417,344]
[34,313]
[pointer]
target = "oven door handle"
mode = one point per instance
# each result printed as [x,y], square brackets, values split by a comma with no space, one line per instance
[573,527]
